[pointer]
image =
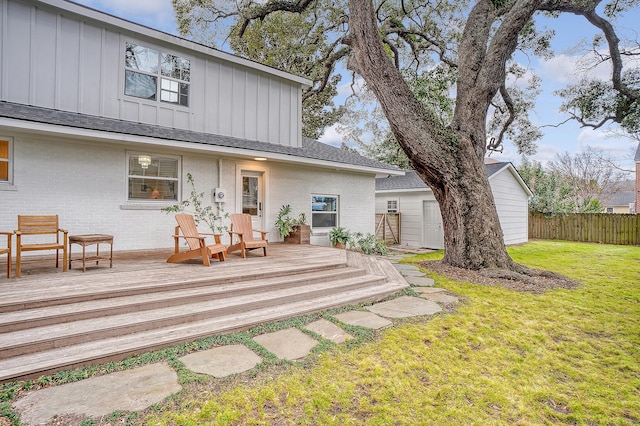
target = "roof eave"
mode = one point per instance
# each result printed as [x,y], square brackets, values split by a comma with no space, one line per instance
[113,137]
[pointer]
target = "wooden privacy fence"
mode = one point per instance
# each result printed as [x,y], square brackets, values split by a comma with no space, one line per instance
[606,228]
[388,227]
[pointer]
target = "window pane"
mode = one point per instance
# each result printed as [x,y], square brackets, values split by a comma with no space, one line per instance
[250,195]
[141,58]
[159,167]
[168,167]
[184,94]
[324,220]
[152,189]
[140,85]
[175,67]
[4,171]
[4,161]
[320,203]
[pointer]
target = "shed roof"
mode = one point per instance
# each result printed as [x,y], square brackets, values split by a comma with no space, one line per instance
[411,180]
[310,149]
[638,153]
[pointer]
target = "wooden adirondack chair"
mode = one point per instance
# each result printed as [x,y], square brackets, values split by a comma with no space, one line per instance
[7,251]
[196,242]
[242,229]
[40,225]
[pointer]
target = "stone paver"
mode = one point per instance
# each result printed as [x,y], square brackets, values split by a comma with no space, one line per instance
[363,319]
[428,290]
[288,344]
[409,270]
[405,306]
[222,361]
[421,281]
[442,298]
[329,331]
[130,390]
[137,389]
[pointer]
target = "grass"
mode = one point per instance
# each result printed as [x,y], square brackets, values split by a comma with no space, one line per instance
[562,357]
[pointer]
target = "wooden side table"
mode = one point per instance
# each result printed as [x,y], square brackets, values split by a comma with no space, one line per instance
[87,240]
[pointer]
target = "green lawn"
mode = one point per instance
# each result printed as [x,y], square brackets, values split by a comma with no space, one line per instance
[565,356]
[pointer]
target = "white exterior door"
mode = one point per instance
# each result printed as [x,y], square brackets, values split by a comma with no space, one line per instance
[253,197]
[433,235]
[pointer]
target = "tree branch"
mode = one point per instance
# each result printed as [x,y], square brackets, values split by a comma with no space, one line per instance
[262,11]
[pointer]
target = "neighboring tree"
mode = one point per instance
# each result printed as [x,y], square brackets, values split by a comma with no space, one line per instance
[550,195]
[591,176]
[572,183]
[448,156]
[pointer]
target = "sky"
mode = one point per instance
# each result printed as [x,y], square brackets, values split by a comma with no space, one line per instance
[555,74]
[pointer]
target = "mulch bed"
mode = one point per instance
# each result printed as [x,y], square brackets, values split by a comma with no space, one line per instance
[530,284]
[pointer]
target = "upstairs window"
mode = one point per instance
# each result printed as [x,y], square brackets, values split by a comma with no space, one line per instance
[392,206]
[324,211]
[153,177]
[6,145]
[150,74]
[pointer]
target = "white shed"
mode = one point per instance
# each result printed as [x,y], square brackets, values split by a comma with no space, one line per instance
[421,222]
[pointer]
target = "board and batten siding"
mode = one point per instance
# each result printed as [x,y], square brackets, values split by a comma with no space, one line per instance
[512,206]
[57,59]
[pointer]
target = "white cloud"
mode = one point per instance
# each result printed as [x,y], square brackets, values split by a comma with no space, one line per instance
[569,69]
[331,136]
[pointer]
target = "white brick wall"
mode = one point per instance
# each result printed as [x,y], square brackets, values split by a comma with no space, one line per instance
[85,184]
[295,185]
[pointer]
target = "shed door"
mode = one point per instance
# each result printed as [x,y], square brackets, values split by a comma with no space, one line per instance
[433,235]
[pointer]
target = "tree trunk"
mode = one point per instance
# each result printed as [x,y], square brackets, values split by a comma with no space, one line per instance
[449,159]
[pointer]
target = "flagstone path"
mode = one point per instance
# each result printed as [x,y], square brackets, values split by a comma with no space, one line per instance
[138,388]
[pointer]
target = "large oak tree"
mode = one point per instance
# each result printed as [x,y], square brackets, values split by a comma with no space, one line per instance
[448,156]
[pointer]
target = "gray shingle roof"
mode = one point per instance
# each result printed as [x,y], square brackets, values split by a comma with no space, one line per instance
[310,149]
[411,180]
[620,198]
[638,153]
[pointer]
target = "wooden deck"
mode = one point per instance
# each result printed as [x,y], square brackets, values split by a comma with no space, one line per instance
[52,320]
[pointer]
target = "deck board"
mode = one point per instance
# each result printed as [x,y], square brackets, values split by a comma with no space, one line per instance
[50,320]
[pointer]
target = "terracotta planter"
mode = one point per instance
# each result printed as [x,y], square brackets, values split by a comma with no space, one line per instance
[340,246]
[301,234]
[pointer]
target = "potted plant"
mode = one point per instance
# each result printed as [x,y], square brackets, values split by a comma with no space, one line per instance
[293,230]
[339,237]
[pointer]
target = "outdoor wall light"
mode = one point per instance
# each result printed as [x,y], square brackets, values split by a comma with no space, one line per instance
[144,161]
[260,159]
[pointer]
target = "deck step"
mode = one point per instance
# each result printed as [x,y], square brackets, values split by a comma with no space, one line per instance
[53,336]
[120,347]
[78,289]
[64,321]
[56,314]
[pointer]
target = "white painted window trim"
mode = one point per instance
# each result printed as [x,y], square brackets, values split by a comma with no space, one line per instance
[337,212]
[397,209]
[8,185]
[137,204]
[158,75]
